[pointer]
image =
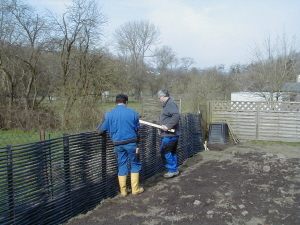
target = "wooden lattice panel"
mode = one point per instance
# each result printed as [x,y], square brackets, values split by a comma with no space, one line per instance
[278,106]
[234,106]
[243,106]
[221,106]
[261,106]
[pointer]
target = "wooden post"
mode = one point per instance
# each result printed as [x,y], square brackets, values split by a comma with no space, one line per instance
[257,120]
[42,135]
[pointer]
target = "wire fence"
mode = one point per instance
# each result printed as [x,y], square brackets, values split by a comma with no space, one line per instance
[51,181]
[20,137]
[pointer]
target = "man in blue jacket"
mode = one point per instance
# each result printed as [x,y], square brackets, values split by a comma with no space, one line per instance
[122,124]
[169,119]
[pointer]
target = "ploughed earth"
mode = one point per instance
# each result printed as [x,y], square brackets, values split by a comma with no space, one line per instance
[248,183]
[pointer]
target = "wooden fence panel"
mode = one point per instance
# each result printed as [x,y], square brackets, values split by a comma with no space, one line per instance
[269,121]
[279,125]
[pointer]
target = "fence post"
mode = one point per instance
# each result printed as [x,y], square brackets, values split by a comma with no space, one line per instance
[208,114]
[67,172]
[84,170]
[182,148]
[42,135]
[257,121]
[103,162]
[10,184]
[43,185]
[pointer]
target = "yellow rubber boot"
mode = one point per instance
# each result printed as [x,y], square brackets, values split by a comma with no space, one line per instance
[122,183]
[135,189]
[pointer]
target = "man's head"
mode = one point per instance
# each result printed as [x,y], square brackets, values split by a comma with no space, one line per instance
[122,98]
[163,95]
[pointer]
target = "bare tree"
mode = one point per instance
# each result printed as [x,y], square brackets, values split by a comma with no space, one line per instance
[203,86]
[163,58]
[165,61]
[186,63]
[237,75]
[23,66]
[78,34]
[274,63]
[22,42]
[133,42]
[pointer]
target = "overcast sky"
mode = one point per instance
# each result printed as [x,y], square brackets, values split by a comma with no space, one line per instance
[212,32]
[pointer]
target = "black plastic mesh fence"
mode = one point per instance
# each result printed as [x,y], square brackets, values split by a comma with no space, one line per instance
[51,181]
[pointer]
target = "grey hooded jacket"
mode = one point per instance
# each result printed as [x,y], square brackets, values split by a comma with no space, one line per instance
[170,117]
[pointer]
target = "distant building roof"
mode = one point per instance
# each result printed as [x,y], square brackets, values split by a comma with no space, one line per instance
[291,87]
[253,96]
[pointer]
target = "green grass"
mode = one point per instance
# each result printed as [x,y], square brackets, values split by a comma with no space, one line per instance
[17,137]
[264,143]
[136,105]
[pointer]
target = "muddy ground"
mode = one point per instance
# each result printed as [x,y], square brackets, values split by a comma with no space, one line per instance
[251,183]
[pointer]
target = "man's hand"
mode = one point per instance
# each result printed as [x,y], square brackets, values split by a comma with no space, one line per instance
[164,127]
[100,131]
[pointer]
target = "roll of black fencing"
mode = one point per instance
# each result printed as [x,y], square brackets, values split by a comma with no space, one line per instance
[51,181]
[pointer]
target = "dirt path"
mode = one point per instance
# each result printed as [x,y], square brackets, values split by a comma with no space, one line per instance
[249,183]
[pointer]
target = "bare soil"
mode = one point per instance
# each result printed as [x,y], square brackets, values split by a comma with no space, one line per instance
[252,183]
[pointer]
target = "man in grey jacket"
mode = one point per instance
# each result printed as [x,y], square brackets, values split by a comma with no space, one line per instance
[169,119]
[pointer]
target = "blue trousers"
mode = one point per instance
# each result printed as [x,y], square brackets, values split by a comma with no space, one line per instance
[125,153]
[168,149]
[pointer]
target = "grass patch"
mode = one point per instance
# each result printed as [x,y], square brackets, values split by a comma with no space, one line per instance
[268,143]
[17,137]
[136,105]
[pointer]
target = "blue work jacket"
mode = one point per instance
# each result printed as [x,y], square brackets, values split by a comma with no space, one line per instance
[122,124]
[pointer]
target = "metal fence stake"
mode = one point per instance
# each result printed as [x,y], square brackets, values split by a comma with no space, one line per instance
[10,183]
